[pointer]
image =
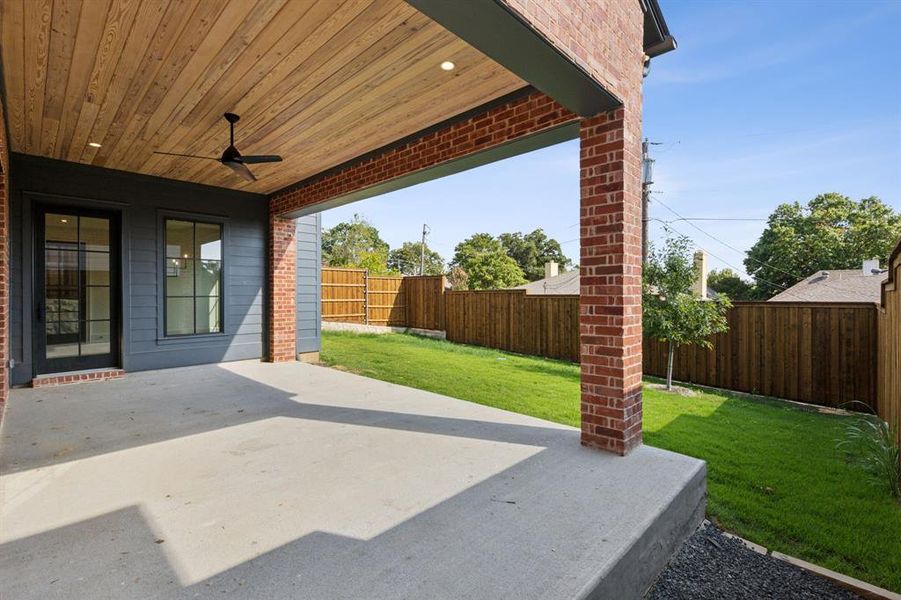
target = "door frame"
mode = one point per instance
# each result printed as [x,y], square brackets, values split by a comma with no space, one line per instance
[42,365]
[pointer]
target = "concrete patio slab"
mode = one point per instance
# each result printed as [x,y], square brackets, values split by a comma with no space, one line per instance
[296,481]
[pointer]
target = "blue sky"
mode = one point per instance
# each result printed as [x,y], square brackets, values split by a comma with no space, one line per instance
[763,102]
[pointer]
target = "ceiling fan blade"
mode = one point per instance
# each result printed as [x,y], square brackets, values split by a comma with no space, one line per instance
[263,158]
[185,155]
[240,168]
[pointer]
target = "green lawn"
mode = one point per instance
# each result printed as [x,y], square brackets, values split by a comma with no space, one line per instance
[774,474]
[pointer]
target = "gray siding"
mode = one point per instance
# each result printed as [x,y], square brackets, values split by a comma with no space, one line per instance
[309,279]
[142,202]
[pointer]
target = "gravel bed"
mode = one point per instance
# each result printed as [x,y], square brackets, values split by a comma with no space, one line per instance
[713,566]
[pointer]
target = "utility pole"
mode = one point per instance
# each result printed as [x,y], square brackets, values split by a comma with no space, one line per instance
[425,232]
[647,178]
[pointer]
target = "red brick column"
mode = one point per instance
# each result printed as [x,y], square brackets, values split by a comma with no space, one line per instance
[282,285]
[610,300]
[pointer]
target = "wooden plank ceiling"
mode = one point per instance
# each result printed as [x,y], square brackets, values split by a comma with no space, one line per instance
[317,81]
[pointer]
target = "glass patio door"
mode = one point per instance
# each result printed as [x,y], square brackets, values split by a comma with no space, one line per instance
[75,282]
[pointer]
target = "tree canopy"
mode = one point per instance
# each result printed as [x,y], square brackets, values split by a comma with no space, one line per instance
[486,263]
[532,250]
[355,244]
[672,313]
[405,260]
[831,231]
[727,281]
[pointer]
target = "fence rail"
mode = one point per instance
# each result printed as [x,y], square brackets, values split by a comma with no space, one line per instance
[826,354]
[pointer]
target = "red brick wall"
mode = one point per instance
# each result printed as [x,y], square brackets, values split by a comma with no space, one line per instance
[605,38]
[610,296]
[526,115]
[529,114]
[282,297]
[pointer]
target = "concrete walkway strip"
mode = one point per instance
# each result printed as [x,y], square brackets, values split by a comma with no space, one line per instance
[861,588]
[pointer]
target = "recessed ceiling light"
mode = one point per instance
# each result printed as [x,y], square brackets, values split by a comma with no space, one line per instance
[448,65]
[93,144]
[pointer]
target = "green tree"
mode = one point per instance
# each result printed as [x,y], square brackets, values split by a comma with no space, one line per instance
[532,250]
[831,232]
[355,244]
[405,260]
[672,313]
[486,263]
[457,278]
[729,283]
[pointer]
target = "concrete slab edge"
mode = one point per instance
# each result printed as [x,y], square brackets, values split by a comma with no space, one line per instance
[382,329]
[635,571]
[861,588]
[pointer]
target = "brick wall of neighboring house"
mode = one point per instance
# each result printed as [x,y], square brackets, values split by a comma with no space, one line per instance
[4,261]
[282,299]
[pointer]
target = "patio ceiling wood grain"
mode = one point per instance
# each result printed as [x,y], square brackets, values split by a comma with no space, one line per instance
[318,81]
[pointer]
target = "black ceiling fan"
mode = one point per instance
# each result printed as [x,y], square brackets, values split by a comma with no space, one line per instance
[231,158]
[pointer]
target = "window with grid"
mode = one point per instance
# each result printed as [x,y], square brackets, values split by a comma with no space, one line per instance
[193,287]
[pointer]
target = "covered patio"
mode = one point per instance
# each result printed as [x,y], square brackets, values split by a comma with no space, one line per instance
[296,481]
[139,245]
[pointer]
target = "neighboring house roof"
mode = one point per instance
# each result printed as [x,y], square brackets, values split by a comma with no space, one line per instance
[849,285]
[564,283]
[568,283]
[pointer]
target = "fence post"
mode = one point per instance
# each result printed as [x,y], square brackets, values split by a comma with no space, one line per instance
[442,304]
[366,297]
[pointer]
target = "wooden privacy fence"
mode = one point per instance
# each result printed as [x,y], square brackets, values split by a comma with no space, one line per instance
[344,295]
[826,354]
[353,296]
[889,344]
[512,320]
[819,353]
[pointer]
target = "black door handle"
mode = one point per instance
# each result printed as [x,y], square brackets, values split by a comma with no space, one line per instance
[41,312]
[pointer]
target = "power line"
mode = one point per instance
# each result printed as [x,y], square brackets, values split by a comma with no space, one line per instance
[728,264]
[749,257]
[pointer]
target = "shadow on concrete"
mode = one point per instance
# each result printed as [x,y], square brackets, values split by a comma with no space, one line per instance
[48,426]
[542,517]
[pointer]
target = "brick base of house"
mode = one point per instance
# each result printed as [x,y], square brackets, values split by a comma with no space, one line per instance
[55,379]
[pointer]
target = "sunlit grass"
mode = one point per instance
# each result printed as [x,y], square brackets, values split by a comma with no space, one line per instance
[774,474]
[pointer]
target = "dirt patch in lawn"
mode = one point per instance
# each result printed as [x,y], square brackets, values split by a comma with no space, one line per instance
[677,389]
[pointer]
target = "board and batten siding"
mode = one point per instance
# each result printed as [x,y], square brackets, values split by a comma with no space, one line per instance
[142,203]
[309,290]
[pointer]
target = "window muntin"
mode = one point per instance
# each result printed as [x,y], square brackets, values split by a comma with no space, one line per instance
[193,278]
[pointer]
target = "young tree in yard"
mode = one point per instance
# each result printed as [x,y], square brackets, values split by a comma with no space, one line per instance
[728,282]
[831,232]
[405,260]
[486,263]
[532,250]
[672,313]
[355,244]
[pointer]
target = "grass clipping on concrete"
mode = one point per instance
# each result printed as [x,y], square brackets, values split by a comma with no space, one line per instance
[775,476]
